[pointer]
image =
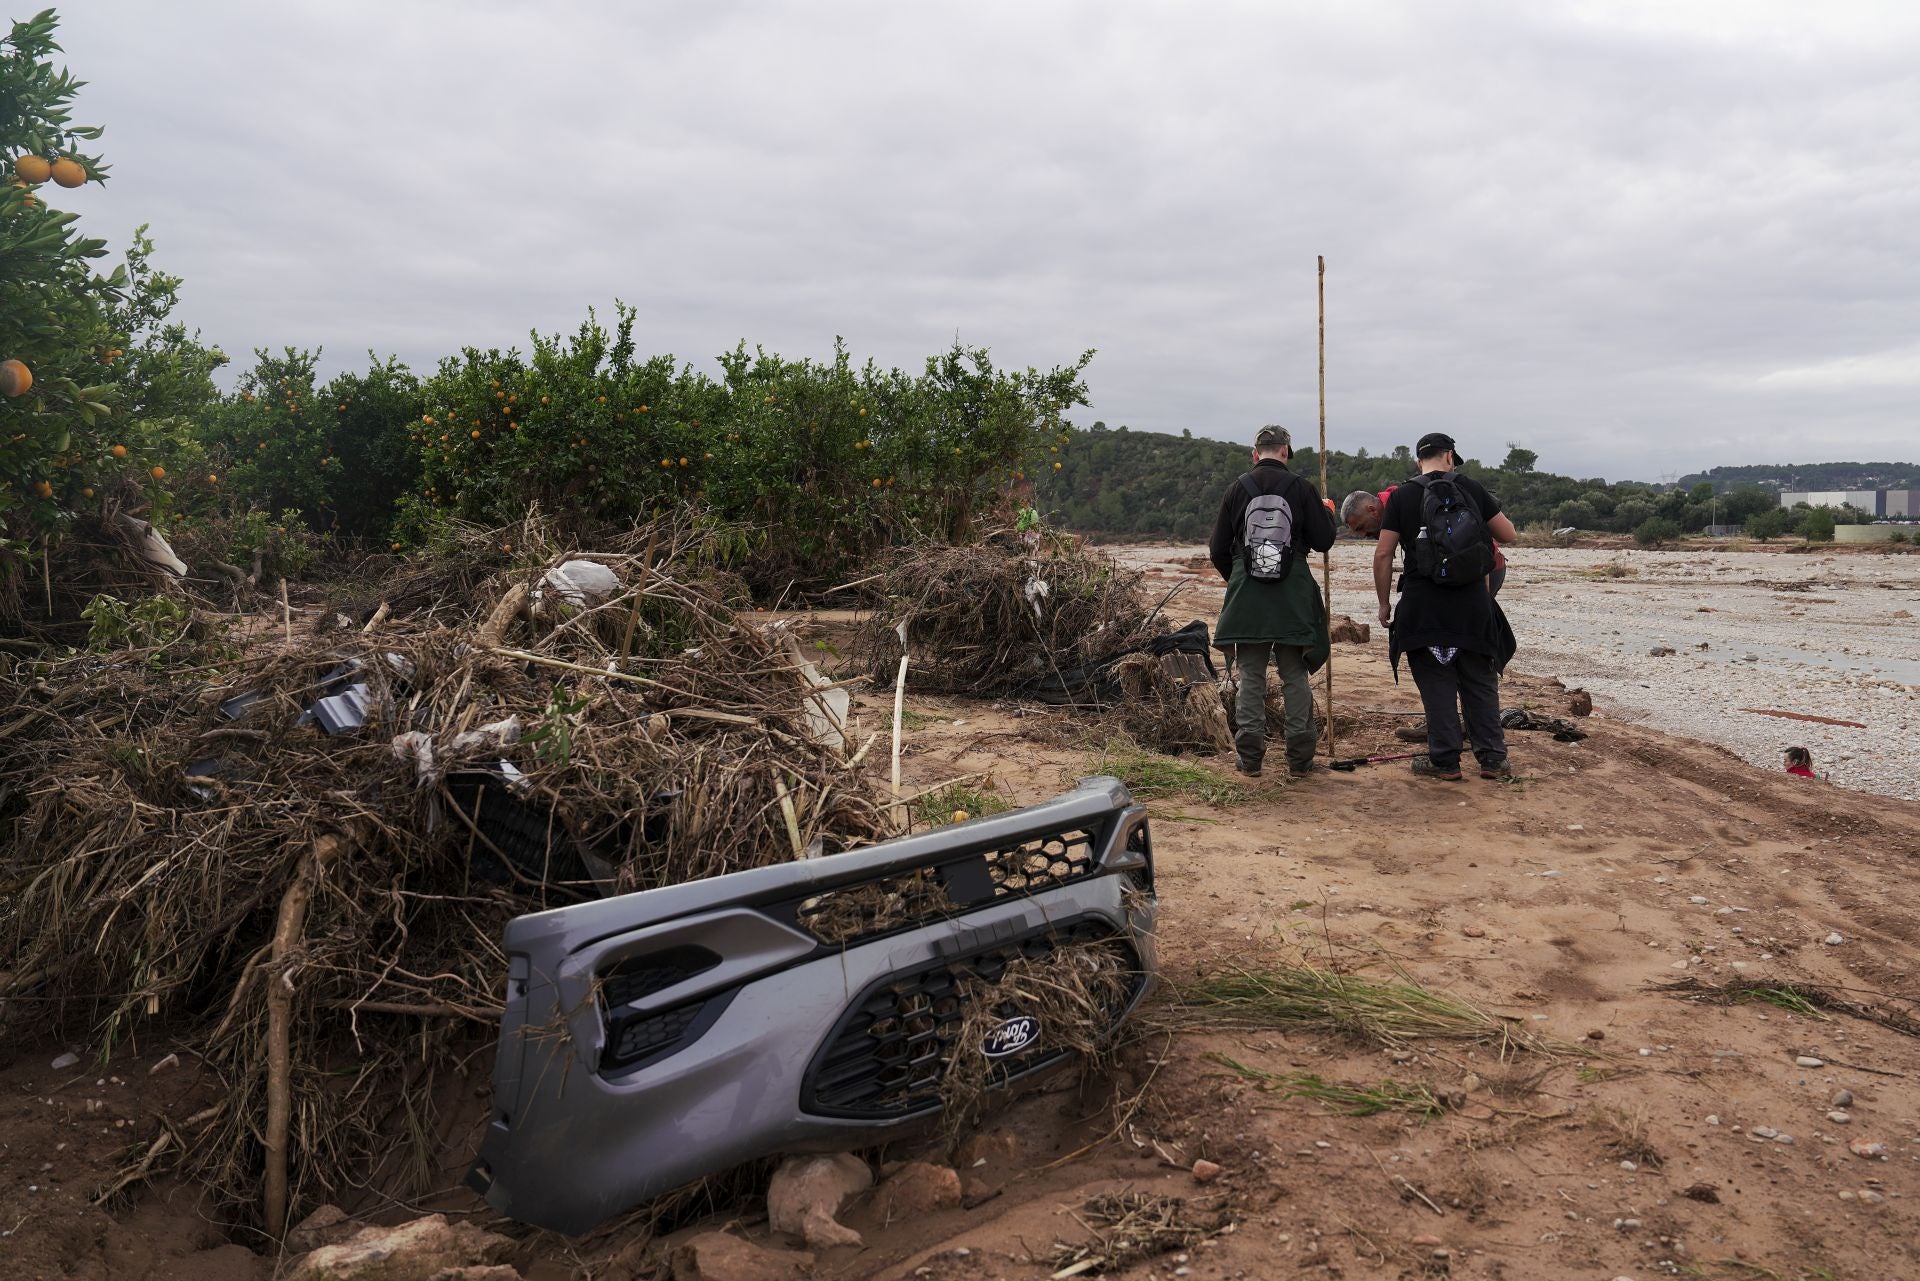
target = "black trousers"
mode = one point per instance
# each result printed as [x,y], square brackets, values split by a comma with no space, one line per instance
[1467,685]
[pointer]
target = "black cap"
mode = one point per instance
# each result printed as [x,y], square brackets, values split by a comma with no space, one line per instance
[1434,442]
[1273,436]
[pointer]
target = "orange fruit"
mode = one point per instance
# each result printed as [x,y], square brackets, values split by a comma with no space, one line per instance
[262,445]
[443,438]
[956,451]
[876,482]
[544,400]
[32,168]
[44,489]
[212,479]
[160,473]
[666,462]
[475,433]
[396,546]
[642,409]
[249,398]
[120,451]
[15,378]
[1056,466]
[499,395]
[69,172]
[87,492]
[683,462]
[496,382]
[603,400]
[863,411]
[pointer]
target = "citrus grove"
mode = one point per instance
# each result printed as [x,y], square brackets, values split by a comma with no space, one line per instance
[108,407]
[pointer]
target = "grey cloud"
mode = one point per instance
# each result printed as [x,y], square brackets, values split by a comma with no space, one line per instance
[1638,238]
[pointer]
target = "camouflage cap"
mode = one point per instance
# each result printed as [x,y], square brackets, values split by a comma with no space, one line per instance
[1273,436]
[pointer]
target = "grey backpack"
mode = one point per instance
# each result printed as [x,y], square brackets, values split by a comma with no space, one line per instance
[1269,536]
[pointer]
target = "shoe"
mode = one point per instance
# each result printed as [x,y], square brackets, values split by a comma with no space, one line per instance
[1299,768]
[1499,770]
[1412,733]
[1423,767]
[1249,771]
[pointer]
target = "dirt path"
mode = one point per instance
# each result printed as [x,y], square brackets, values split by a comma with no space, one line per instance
[1627,861]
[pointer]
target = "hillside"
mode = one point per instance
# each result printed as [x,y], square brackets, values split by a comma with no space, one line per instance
[1118,481]
[1809,476]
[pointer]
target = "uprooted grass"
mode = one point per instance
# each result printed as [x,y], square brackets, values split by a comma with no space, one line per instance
[1129,1227]
[1626,1136]
[1384,1013]
[1151,776]
[653,738]
[1806,999]
[1348,1100]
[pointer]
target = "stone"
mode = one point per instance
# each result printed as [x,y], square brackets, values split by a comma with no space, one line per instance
[1834,939]
[328,1225]
[484,1272]
[65,1061]
[999,1149]
[920,1187]
[1697,898]
[1764,1131]
[167,1064]
[1868,1149]
[1579,702]
[806,1194]
[1596,1034]
[1713,1120]
[1474,931]
[1205,1171]
[419,1250]
[1426,1239]
[1871,1197]
[1704,1193]
[1840,1118]
[721,1256]
[1660,651]
[1783,1138]
[1842,1099]
[1349,632]
[1808,1061]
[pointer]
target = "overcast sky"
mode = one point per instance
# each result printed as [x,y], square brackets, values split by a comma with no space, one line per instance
[1639,238]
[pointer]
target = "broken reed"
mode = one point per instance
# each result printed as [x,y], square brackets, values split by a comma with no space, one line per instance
[1350,1100]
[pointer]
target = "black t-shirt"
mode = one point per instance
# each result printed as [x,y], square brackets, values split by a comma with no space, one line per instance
[1450,617]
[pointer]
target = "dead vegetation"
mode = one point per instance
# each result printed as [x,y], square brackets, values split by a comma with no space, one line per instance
[1129,1227]
[314,915]
[1809,1000]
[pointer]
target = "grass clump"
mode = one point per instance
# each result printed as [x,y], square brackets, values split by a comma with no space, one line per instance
[1388,1013]
[1149,775]
[936,809]
[1349,1100]
[1609,569]
[1129,1227]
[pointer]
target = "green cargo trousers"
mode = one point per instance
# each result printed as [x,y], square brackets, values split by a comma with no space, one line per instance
[1250,705]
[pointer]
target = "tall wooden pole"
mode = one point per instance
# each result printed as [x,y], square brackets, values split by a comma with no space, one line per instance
[1326,557]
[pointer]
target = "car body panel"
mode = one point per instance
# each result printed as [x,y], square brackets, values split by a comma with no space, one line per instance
[657,1037]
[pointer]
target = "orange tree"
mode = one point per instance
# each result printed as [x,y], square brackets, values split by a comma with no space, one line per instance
[270,440]
[825,458]
[55,323]
[372,464]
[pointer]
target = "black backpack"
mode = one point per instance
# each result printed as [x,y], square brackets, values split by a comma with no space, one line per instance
[1454,548]
[1268,540]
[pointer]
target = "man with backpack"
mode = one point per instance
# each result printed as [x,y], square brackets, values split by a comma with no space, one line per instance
[1454,636]
[1269,520]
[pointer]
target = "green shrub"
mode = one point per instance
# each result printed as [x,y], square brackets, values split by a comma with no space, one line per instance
[1655,530]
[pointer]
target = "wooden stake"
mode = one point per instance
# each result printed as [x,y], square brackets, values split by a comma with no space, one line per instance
[288,932]
[286,610]
[899,714]
[1326,557]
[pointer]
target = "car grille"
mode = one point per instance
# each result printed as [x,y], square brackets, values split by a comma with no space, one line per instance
[642,976]
[890,1055]
[520,846]
[870,909]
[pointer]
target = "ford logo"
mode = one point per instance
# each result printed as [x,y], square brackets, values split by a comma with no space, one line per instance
[1011,1037]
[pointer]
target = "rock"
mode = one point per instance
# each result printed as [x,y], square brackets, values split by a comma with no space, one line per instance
[1871,1197]
[1696,898]
[921,1187]
[1205,1171]
[1580,703]
[1763,1132]
[65,1061]
[1596,1034]
[167,1064]
[1808,1061]
[721,1256]
[416,1251]
[1474,931]
[1348,632]
[1868,1148]
[1705,1193]
[1426,1239]
[1840,1118]
[1713,1120]
[999,1149]
[1842,1099]
[1833,940]
[484,1272]
[328,1225]
[807,1192]
[1660,651]
[1783,1138]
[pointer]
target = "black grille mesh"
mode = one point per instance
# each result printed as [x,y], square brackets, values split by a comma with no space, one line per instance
[638,1039]
[641,976]
[1041,864]
[892,1052]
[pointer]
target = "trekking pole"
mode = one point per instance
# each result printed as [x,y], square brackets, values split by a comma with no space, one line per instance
[1326,557]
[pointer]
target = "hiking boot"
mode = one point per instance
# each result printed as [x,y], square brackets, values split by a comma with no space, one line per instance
[1248,770]
[1498,770]
[1298,768]
[1416,733]
[1423,767]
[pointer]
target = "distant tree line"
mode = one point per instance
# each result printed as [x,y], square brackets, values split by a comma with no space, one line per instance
[1793,477]
[1119,481]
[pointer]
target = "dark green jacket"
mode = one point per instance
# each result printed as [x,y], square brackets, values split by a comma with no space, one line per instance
[1289,612]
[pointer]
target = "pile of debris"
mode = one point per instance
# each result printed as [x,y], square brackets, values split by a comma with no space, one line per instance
[297,860]
[1036,615]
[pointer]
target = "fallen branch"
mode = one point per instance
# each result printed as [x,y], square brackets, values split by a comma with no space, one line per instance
[1803,716]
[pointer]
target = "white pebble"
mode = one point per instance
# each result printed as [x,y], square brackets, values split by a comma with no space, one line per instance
[1833,940]
[1807,1060]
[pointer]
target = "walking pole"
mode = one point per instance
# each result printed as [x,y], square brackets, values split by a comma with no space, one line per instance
[1326,557]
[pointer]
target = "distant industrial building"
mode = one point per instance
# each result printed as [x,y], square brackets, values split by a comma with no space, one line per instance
[1898,504]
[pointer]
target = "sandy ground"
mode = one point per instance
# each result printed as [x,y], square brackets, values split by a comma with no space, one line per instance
[1561,901]
[1828,635]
